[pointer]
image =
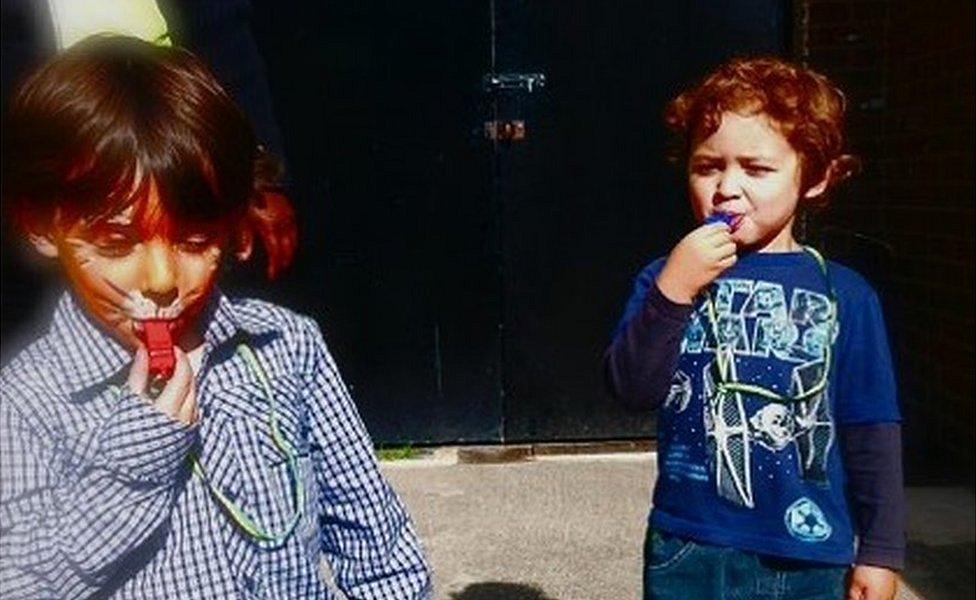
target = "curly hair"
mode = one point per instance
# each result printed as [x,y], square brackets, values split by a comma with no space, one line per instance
[89,132]
[805,106]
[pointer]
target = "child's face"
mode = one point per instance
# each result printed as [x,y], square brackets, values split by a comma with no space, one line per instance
[749,170]
[126,271]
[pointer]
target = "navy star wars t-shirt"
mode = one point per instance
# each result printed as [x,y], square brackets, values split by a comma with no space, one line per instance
[762,472]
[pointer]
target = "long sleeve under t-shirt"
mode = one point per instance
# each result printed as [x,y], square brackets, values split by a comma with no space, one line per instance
[767,312]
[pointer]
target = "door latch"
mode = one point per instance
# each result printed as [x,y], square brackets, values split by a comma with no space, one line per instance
[505,131]
[513,82]
[501,86]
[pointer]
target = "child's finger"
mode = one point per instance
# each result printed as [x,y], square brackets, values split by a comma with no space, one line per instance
[854,592]
[728,261]
[139,371]
[716,231]
[171,398]
[188,409]
[719,240]
[726,249]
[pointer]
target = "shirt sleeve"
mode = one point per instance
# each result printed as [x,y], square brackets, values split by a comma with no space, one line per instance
[868,419]
[875,492]
[72,509]
[640,361]
[865,381]
[366,533]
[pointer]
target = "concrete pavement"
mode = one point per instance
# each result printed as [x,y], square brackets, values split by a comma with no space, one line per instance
[571,527]
[553,528]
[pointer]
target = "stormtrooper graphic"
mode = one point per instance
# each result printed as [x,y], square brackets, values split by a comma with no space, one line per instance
[773,426]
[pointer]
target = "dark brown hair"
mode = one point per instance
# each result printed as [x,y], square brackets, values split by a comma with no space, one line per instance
[805,105]
[89,132]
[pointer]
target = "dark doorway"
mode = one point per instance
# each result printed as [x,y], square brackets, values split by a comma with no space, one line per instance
[380,106]
[467,285]
[587,197]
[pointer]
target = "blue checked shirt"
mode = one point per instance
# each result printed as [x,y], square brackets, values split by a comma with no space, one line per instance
[97,498]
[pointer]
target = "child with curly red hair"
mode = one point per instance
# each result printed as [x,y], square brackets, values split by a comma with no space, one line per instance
[779,442]
[163,440]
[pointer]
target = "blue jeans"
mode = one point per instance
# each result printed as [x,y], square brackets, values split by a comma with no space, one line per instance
[679,569]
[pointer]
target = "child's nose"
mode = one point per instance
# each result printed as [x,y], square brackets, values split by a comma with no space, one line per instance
[728,187]
[160,281]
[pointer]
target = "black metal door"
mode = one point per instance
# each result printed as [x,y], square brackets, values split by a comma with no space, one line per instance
[381,108]
[479,182]
[586,197]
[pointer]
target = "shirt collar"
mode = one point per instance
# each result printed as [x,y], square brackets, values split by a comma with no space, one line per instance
[85,355]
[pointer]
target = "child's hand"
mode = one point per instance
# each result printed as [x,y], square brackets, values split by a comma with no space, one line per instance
[872,583]
[178,398]
[696,261]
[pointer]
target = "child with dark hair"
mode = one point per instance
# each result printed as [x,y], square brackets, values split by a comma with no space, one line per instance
[164,440]
[778,433]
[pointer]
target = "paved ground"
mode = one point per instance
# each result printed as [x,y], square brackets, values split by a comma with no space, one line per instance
[561,528]
[571,527]
[941,534]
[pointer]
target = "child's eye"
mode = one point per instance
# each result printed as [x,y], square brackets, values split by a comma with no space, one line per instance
[196,243]
[704,169]
[114,246]
[758,171]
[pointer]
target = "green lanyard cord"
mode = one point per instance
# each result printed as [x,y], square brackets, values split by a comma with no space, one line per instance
[237,514]
[723,357]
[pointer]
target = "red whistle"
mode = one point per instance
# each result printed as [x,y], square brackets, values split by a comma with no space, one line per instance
[159,343]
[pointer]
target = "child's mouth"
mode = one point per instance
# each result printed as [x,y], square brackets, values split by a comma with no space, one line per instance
[733,220]
[140,308]
[736,222]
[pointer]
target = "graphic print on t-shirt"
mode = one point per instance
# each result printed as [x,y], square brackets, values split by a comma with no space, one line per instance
[762,341]
[806,522]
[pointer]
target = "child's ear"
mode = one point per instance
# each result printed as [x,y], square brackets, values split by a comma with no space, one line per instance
[818,190]
[44,244]
[244,244]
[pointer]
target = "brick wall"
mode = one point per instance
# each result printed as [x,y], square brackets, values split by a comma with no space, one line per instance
[907,220]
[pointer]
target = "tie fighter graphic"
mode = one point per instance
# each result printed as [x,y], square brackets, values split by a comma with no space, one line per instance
[727,432]
[730,432]
[815,429]
[679,395]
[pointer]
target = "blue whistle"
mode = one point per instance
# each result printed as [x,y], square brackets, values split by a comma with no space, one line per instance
[719,217]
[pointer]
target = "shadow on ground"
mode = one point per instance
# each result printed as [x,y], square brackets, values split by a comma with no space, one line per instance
[497,590]
[941,572]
